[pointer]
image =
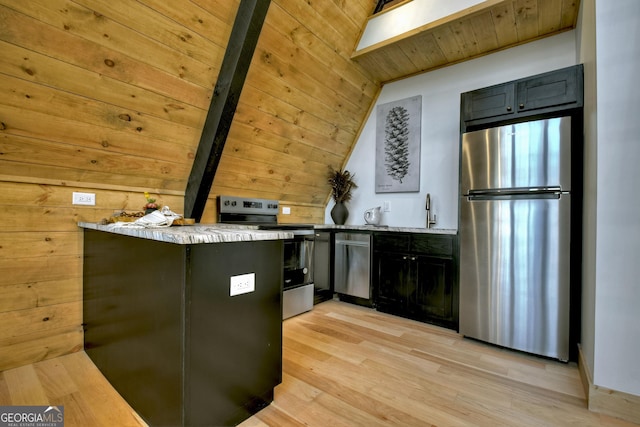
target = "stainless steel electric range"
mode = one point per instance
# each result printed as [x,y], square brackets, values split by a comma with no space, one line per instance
[297,294]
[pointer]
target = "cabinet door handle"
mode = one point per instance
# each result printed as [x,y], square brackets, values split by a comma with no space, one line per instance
[509,108]
[521,105]
[413,258]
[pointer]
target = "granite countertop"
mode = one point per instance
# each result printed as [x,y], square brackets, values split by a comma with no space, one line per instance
[386,228]
[220,233]
[193,234]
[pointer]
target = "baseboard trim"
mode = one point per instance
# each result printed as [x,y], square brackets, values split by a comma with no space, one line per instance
[606,401]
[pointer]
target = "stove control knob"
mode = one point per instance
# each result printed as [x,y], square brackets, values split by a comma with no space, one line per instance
[233,203]
[226,203]
[305,270]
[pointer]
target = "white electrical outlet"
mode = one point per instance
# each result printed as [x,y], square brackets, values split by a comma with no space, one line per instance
[386,206]
[286,210]
[242,284]
[88,199]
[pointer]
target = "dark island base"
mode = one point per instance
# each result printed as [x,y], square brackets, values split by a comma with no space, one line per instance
[161,326]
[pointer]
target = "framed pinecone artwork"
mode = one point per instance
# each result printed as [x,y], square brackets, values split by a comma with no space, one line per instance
[398,146]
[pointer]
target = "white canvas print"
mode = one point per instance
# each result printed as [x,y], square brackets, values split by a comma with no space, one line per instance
[398,146]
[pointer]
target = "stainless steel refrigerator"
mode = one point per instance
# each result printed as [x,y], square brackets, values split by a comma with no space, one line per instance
[515,218]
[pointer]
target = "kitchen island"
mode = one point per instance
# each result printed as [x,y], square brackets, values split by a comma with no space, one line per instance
[185,322]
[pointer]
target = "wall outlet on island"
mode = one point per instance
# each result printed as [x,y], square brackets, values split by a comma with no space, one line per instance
[242,284]
[286,210]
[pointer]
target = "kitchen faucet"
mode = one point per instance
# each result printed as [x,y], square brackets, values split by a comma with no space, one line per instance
[430,221]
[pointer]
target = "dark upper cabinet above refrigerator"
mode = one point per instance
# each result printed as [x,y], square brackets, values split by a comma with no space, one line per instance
[536,95]
[556,88]
[488,102]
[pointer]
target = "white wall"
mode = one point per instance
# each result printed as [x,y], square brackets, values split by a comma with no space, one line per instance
[439,160]
[586,39]
[611,295]
[617,298]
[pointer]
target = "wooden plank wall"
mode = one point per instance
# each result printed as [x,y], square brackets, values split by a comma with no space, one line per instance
[93,104]
[109,97]
[301,108]
[41,267]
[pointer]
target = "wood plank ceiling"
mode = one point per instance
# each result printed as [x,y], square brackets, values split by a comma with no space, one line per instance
[113,94]
[481,29]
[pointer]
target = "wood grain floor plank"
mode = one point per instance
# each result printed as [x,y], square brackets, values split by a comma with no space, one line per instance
[431,374]
[5,397]
[108,407]
[24,386]
[78,411]
[55,378]
[350,366]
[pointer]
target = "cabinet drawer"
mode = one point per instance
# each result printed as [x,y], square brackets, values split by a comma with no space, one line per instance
[391,242]
[433,244]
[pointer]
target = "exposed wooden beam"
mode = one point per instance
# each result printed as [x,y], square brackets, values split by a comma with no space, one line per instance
[235,65]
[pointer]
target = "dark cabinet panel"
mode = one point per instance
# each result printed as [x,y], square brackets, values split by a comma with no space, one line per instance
[432,244]
[548,90]
[393,275]
[489,102]
[161,325]
[322,266]
[392,242]
[414,277]
[433,295]
[546,93]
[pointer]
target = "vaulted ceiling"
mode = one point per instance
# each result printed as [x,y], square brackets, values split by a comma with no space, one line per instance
[114,93]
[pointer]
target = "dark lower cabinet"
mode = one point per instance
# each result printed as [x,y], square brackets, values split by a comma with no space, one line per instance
[414,277]
[433,295]
[394,275]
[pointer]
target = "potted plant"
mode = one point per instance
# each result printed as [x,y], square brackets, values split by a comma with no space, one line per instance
[341,182]
[151,204]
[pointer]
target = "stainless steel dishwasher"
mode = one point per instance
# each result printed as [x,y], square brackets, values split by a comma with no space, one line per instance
[352,260]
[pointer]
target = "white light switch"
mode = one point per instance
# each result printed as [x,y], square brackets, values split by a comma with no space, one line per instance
[386,206]
[242,284]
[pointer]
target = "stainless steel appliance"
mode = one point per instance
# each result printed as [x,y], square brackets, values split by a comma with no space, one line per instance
[352,276]
[297,288]
[515,220]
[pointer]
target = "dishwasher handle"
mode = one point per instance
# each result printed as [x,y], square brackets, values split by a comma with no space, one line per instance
[353,243]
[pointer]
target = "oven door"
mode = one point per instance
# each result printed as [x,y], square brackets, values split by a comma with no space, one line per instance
[298,261]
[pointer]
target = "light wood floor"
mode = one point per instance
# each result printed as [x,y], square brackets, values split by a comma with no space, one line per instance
[350,366]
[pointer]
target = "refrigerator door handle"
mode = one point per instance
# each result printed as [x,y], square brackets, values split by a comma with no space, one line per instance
[516,193]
